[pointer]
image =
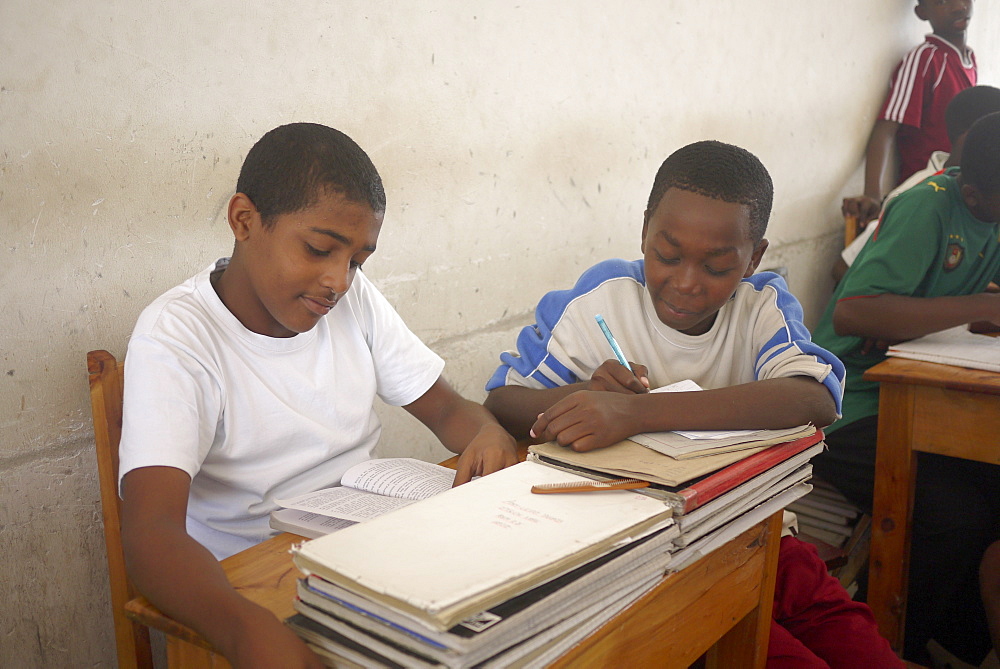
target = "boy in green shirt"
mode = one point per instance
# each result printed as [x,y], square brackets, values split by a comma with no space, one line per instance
[925,270]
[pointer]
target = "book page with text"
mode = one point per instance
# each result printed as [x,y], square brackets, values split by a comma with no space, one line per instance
[408,478]
[347,503]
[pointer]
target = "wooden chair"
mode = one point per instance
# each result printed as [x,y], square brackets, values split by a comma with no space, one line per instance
[850,229]
[107,378]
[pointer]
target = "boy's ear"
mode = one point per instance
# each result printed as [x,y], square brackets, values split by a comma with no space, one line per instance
[645,229]
[755,258]
[971,196]
[241,215]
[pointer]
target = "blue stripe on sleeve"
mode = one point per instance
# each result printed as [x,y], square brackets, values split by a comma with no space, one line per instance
[795,333]
[834,381]
[534,340]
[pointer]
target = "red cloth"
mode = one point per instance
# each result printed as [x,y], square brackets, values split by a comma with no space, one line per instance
[815,623]
[922,85]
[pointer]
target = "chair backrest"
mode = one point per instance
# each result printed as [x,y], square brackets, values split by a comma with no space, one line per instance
[107,378]
[850,229]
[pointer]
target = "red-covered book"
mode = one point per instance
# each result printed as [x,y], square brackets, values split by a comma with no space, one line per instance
[711,486]
[694,494]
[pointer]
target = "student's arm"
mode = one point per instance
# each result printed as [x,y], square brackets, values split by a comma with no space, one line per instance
[586,421]
[878,159]
[899,317]
[517,407]
[185,581]
[466,428]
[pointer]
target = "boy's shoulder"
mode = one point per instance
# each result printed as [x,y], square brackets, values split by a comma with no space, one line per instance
[937,194]
[763,280]
[764,291]
[609,270]
[180,302]
[935,45]
[609,282]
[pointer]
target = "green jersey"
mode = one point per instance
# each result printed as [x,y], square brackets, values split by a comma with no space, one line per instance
[928,244]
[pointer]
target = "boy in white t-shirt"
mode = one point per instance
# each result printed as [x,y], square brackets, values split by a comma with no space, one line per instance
[255,380]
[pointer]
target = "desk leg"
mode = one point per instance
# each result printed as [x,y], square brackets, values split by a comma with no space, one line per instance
[184,655]
[755,628]
[895,474]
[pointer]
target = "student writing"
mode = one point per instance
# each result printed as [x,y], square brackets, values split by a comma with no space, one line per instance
[693,308]
[255,380]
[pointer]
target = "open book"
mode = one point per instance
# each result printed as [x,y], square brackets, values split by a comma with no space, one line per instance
[367,490]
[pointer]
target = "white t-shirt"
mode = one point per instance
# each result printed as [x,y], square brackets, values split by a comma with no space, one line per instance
[934,165]
[252,418]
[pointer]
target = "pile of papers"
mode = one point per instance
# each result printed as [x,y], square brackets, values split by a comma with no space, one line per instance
[715,496]
[490,575]
[956,346]
[486,574]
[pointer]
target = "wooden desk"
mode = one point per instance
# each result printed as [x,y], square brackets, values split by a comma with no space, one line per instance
[927,407]
[720,604]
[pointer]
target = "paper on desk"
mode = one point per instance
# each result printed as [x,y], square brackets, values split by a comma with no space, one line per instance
[688,385]
[684,444]
[627,459]
[955,346]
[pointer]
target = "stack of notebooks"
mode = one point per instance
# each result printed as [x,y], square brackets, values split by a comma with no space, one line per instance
[956,346]
[838,529]
[491,575]
[486,574]
[717,487]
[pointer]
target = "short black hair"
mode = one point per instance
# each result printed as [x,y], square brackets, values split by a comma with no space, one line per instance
[968,106]
[290,167]
[981,155]
[719,171]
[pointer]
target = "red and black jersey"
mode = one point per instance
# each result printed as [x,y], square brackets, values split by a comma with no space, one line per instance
[923,84]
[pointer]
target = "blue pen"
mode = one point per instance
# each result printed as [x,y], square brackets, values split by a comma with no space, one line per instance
[614,345]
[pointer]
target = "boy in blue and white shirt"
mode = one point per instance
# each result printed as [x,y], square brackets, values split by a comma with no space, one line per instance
[692,308]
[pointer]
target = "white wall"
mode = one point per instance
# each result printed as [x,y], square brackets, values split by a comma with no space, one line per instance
[517,145]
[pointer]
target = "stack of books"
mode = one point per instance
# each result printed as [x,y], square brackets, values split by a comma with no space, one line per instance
[716,487]
[491,575]
[487,574]
[838,529]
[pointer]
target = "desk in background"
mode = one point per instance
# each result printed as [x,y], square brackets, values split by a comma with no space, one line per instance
[923,406]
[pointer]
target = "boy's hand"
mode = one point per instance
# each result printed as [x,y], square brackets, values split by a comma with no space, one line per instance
[491,450]
[612,376]
[864,207]
[587,420]
[872,345]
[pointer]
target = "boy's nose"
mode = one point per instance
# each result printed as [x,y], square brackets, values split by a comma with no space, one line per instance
[685,281]
[337,277]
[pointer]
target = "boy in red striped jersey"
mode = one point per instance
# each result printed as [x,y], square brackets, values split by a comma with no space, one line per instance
[911,123]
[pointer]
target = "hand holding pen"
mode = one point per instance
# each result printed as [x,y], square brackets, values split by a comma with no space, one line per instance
[585,420]
[618,375]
